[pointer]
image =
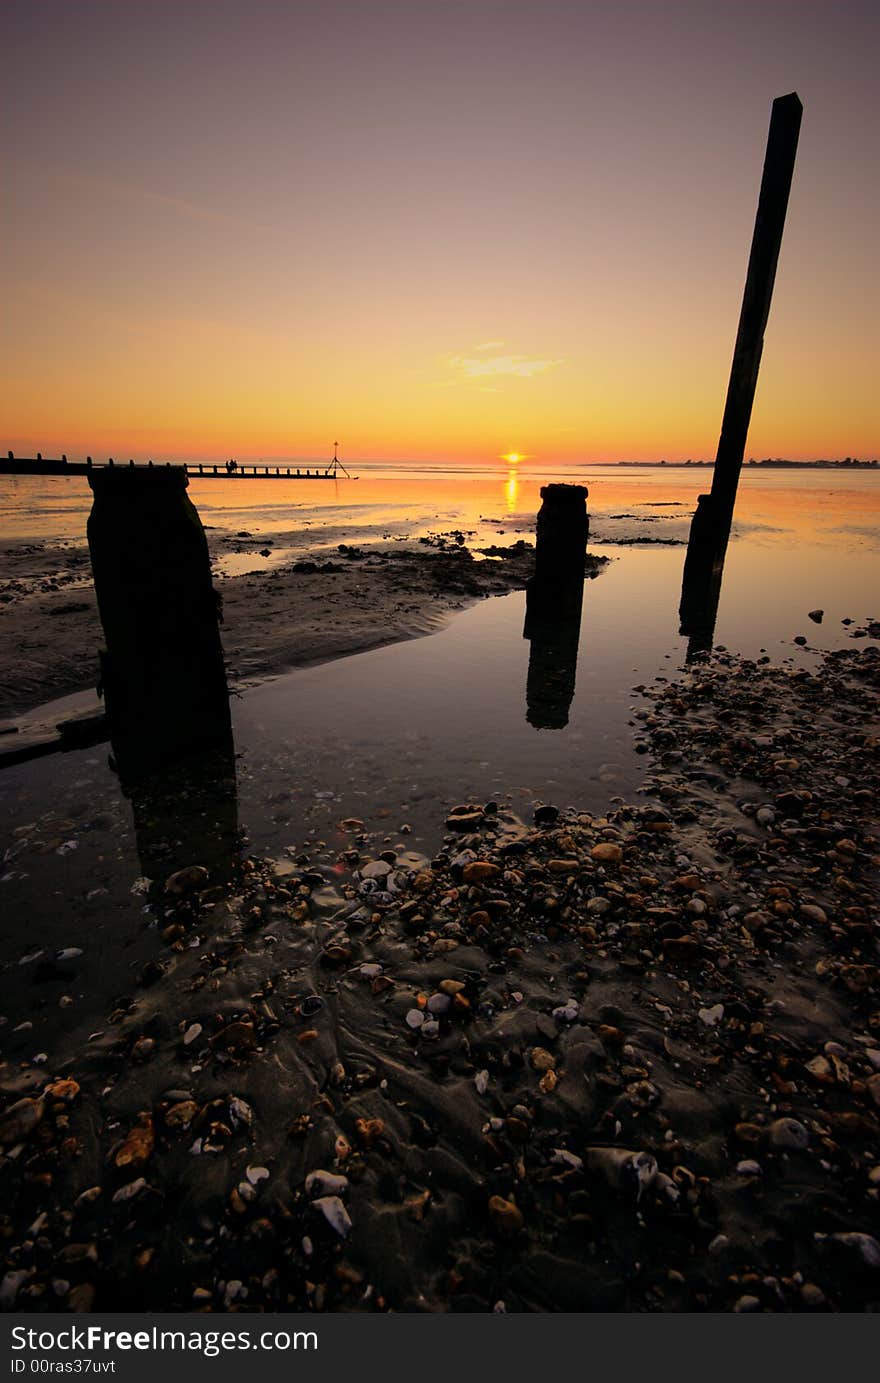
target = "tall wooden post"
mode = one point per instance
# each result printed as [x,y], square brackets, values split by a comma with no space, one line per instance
[710,527]
[782,141]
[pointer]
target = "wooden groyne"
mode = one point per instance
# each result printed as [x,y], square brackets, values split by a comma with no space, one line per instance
[38,465]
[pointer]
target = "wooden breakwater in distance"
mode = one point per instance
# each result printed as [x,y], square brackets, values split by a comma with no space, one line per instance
[162,672]
[38,465]
[710,527]
[554,600]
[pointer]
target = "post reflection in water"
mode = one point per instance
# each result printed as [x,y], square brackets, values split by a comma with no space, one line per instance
[163,677]
[702,577]
[185,814]
[553,628]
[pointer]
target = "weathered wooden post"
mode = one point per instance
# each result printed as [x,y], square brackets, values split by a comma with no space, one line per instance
[782,142]
[554,598]
[162,671]
[561,531]
[710,528]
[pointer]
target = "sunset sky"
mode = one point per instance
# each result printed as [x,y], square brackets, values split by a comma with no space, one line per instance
[436,230]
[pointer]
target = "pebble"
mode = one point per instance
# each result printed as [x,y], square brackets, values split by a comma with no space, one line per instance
[321,1183]
[567,1012]
[711,1016]
[865,1245]
[563,1158]
[624,1169]
[607,853]
[541,1059]
[505,1215]
[181,1114]
[479,871]
[129,1191]
[10,1286]
[813,913]
[749,1302]
[137,1148]
[812,1296]
[240,1112]
[187,880]
[376,869]
[820,1068]
[20,1119]
[788,1133]
[748,1168]
[335,1213]
[65,1089]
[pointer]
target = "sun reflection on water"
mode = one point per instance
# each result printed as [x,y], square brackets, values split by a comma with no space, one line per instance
[511,490]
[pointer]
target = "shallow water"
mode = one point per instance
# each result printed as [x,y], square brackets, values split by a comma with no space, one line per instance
[839,505]
[427,723]
[398,735]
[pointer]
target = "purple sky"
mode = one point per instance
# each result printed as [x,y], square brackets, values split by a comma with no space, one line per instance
[461,228]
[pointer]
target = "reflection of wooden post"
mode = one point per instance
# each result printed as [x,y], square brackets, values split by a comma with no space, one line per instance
[701,584]
[554,636]
[782,141]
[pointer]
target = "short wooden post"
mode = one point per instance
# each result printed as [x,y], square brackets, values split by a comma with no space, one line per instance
[162,670]
[554,598]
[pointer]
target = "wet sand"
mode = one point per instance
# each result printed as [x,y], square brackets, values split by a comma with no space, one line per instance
[628,1062]
[303,606]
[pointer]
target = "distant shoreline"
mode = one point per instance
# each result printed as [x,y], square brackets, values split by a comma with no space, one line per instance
[494,466]
[767,465]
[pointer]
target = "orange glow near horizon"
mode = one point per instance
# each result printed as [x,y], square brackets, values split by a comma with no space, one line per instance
[199,277]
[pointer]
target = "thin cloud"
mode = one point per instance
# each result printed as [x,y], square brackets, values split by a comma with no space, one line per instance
[489,346]
[519,366]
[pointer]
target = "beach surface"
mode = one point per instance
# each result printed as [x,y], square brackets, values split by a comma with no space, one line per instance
[306,609]
[403,1003]
[618,1062]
